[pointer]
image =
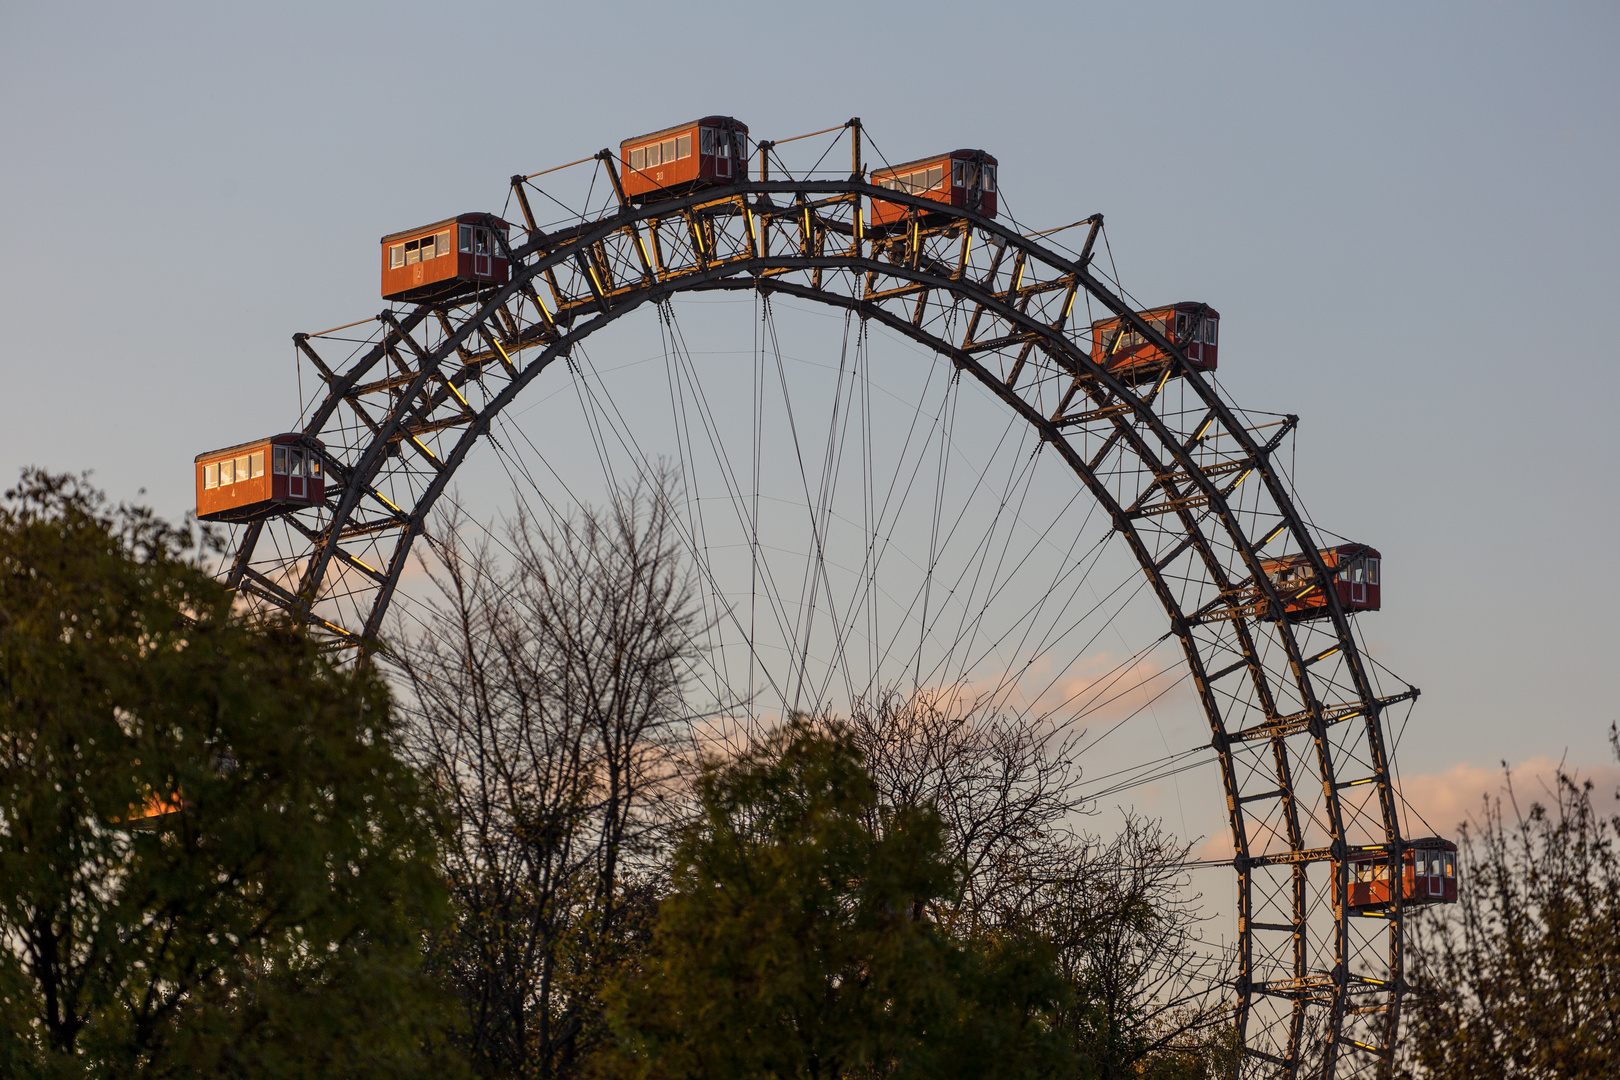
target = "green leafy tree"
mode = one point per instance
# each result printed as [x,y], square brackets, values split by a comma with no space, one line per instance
[212,863]
[799,942]
[1522,976]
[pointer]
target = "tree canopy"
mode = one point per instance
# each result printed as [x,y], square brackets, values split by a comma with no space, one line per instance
[798,940]
[212,862]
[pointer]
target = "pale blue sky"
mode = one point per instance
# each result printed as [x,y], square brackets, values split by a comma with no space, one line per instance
[1405,213]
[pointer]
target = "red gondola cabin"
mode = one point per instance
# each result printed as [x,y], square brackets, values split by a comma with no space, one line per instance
[1428,876]
[445,259]
[684,158]
[963,178]
[1355,570]
[258,480]
[1126,353]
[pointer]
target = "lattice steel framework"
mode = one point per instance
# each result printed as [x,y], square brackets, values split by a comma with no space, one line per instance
[1191,490]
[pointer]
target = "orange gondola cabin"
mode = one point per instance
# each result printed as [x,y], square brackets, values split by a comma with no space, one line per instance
[685,158]
[1428,876]
[1127,354]
[156,810]
[446,259]
[1355,571]
[258,480]
[961,178]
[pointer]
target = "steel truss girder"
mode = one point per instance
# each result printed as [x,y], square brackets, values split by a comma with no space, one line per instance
[599,271]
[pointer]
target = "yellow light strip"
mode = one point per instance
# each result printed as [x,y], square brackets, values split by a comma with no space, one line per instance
[1199,434]
[545,312]
[424,449]
[495,341]
[380,497]
[361,563]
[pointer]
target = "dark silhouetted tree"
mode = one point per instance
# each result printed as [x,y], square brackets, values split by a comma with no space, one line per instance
[1115,909]
[211,861]
[1521,977]
[546,709]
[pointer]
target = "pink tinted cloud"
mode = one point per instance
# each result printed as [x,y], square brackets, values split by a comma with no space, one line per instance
[1437,803]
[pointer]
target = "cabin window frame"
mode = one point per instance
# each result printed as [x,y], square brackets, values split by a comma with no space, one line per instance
[1209,330]
[466,245]
[639,159]
[211,476]
[255,464]
[278,460]
[396,256]
[987,177]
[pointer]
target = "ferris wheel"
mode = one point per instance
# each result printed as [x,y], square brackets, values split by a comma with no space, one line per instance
[918,450]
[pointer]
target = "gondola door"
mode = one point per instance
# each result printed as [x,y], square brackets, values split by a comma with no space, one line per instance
[1189,334]
[722,154]
[1358,581]
[482,262]
[296,488]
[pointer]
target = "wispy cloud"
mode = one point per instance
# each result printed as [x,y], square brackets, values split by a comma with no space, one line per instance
[1438,803]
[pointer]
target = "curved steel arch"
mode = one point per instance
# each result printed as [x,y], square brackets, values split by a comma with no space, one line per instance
[1304,995]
